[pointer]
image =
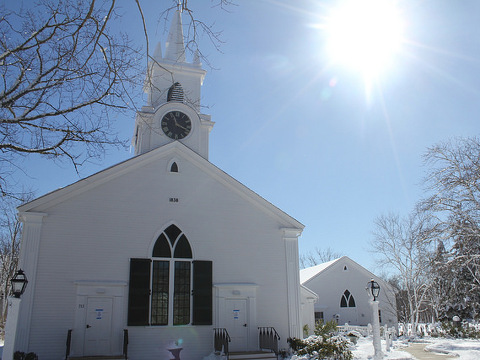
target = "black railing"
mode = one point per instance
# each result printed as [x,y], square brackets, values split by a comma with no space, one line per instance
[221,340]
[69,343]
[268,339]
[125,344]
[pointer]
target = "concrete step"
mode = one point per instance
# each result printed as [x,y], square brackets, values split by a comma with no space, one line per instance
[118,357]
[252,355]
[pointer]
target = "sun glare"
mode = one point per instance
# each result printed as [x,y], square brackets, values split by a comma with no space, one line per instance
[364,35]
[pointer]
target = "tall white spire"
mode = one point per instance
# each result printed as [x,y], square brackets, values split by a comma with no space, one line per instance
[175,47]
[157,55]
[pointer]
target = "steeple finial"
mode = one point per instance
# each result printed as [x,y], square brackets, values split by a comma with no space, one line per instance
[175,47]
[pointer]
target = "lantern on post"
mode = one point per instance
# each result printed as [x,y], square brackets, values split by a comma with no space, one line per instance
[19,283]
[373,290]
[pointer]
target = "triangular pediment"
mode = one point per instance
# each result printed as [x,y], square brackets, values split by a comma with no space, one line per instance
[175,150]
[310,274]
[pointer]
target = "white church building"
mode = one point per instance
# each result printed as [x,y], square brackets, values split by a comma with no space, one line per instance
[162,251]
[340,285]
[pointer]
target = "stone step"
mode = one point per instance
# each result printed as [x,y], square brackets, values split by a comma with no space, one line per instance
[252,355]
[118,357]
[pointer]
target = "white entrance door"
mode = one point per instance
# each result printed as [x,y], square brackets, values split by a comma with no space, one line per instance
[237,325]
[98,326]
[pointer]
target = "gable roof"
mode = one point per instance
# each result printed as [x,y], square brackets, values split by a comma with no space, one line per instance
[312,272]
[308,273]
[174,148]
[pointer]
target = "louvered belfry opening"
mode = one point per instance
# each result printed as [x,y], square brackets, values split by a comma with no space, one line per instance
[175,93]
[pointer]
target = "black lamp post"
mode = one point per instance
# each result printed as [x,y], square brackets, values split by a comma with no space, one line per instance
[19,283]
[373,289]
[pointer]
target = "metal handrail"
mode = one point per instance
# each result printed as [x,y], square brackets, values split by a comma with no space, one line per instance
[68,344]
[268,338]
[125,344]
[221,340]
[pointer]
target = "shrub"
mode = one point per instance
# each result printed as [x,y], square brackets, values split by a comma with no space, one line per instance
[19,355]
[323,345]
[325,329]
[31,356]
[283,354]
[463,331]
[319,347]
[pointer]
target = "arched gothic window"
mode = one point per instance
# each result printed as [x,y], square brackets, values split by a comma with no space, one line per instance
[171,254]
[347,300]
[170,288]
[175,93]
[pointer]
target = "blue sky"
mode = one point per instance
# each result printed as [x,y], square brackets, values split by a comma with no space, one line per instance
[299,130]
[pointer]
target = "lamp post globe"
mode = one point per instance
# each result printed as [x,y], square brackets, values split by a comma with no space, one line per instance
[19,283]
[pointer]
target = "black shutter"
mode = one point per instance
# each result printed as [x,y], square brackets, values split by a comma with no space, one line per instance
[139,292]
[202,293]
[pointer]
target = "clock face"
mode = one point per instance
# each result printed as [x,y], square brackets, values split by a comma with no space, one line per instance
[176,125]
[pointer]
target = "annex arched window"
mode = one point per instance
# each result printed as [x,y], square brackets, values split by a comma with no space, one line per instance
[175,93]
[170,288]
[347,300]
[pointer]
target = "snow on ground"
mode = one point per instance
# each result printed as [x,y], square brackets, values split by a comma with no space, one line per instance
[364,350]
[464,349]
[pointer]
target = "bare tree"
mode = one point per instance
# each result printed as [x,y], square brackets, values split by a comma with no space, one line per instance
[318,256]
[401,247]
[64,75]
[453,185]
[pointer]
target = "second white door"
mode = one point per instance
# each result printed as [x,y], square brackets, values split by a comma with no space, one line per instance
[237,324]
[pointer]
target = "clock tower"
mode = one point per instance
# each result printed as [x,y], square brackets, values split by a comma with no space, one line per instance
[173,111]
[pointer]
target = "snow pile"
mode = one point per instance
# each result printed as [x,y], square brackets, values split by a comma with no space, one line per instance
[466,349]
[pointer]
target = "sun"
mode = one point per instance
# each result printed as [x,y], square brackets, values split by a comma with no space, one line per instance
[364,35]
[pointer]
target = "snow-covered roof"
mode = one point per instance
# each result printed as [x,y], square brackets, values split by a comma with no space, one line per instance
[308,273]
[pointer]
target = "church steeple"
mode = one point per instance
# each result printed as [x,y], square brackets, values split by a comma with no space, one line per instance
[175,47]
[173,86]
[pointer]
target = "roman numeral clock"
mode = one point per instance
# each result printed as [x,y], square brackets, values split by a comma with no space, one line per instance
[176,125]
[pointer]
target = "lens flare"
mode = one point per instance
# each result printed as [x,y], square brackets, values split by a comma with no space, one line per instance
[364,35]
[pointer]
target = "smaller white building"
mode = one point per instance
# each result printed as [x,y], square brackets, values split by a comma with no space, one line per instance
[340,285]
